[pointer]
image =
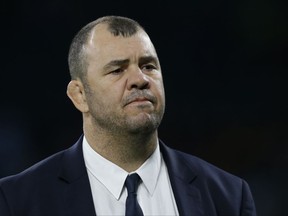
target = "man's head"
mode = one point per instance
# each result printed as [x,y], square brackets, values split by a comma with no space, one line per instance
[116,77]
[118,26]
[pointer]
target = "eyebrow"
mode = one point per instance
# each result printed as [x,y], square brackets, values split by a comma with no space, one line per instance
[147,59]
[142,60]
[114,63]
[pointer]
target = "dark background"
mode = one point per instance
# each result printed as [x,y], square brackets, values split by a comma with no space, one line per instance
[225,71]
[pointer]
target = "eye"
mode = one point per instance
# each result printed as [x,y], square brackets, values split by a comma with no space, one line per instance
[149,67]
[117,71]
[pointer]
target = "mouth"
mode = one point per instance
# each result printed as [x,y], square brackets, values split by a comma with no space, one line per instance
[140,99]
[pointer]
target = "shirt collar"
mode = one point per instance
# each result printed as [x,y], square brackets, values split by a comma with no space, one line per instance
[149,171]
[113,176]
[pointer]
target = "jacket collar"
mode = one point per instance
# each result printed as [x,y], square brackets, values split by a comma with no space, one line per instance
[182,178]
[79,200]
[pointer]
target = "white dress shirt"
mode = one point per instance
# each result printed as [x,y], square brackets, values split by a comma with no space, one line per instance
[154,194]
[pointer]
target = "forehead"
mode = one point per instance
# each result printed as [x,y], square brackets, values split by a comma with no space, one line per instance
[103,45]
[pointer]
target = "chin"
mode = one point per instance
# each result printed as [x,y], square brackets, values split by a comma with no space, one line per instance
[144,124]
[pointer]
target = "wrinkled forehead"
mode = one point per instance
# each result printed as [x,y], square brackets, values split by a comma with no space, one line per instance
[101,34]
[102,42]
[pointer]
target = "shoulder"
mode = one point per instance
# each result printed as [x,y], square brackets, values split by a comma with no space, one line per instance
[49,168]
[217,188]
[43,169]
[214,182]
[18,192]
[200,168]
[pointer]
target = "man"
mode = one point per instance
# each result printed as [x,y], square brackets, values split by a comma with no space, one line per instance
[116,83]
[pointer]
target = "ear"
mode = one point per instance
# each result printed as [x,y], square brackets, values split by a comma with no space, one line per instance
[75,92]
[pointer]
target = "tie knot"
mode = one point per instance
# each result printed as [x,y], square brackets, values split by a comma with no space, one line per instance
[132,182]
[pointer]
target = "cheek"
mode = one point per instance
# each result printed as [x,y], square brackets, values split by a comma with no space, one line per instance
[158,90]
[96,96]
[160,87]
[110,95]
[105,92]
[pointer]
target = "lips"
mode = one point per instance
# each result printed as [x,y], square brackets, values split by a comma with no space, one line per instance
[139,97]
[139,100]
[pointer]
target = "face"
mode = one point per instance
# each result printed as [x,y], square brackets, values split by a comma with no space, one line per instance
[124,87]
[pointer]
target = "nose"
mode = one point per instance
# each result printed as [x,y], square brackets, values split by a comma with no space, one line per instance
[137,79]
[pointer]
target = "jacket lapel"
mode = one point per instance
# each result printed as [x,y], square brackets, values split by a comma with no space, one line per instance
[78,198]
[77,195]
[187,195]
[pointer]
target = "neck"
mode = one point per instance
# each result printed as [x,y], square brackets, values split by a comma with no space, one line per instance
[128,151]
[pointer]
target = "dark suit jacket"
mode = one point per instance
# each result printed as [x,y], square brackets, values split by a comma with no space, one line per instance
[59,185]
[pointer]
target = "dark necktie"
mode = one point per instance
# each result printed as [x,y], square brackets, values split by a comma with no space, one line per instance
[132,206]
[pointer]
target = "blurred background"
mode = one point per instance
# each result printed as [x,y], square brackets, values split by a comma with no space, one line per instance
[225,71]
